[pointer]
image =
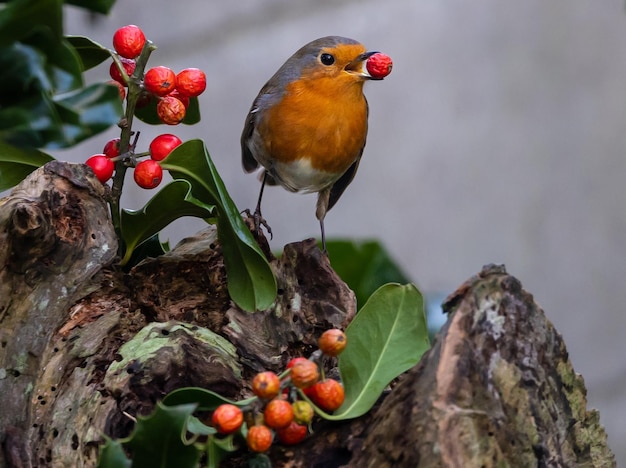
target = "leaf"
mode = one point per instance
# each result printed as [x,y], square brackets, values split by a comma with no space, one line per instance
[386,338]
[148,113]
[195,426]
[364,266]
[159,439]
[206,400]
[251,282]
[16,164]
[170,203]
[98,6]
[112,455]
[19,17]
[90,52]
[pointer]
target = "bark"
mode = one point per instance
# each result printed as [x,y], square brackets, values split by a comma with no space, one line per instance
[83,345]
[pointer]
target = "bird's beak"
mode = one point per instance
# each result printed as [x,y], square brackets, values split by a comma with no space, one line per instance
[358,66]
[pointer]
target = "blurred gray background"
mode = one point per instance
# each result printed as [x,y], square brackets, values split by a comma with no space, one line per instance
[499,137]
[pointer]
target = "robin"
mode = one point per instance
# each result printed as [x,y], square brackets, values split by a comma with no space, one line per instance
[308,125]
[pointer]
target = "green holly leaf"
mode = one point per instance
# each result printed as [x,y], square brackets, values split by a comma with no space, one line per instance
[173,201]
[112,455]
[160,439]
[206,400]
[17,163]
[364,266]
[19,18]
[386,338]
[90,52]
[251,282]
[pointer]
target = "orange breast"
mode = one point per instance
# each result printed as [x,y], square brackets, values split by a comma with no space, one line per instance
[322,120]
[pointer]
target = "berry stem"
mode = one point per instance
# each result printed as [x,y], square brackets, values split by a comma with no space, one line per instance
[135,86]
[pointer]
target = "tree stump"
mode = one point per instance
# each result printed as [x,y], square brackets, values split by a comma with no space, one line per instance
[83,345]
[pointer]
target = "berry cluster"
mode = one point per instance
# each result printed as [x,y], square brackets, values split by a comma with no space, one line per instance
[173,92]
[280,407]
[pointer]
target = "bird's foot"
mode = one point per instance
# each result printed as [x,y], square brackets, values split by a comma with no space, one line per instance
[258,221]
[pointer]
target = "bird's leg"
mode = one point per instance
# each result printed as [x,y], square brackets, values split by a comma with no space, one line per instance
[258,218]
[322,207]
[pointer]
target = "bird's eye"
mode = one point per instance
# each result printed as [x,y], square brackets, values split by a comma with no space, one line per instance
[327,59]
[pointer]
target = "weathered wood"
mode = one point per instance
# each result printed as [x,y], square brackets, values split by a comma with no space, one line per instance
[84,345]
[496,389]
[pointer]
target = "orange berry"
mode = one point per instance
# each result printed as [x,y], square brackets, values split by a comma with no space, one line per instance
[292,434]
[148,174]
[259,438]
[112,148]
[293,362]
[304,373]
[160,81]
[266,385]
[332,342]
[128,41]
[328,394]
[278,413]
[191,82]
[227,418]
[170,110]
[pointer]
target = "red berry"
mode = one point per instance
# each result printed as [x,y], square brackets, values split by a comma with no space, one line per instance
[148,174]
[266,385]
[304,374]
[191,82]
[120,88]
[379,66]
[332,342]
[259,438]
[180,97]
[112,148]
[160,81]
[129,67]
[278,413]
[102,167]
[292,434]
[128,41]
[227,418]
[170,110]
[162,146]
[328,394]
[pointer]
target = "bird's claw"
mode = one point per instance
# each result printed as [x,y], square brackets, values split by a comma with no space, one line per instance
[259,221]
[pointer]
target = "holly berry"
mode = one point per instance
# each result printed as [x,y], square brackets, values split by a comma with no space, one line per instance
[278,413]
[292,434]
[227,418]
[304,373]
[302,412]
[148,174]
[170,110]
[112,148]
[129,68]
[102,167]
[295,360]
[259,438]
[191,82]
[180,97]
[162,146]
[160,81]
[328,394]
[266,385]
[128,41]
[119,87]
[379,65]
[332,342]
